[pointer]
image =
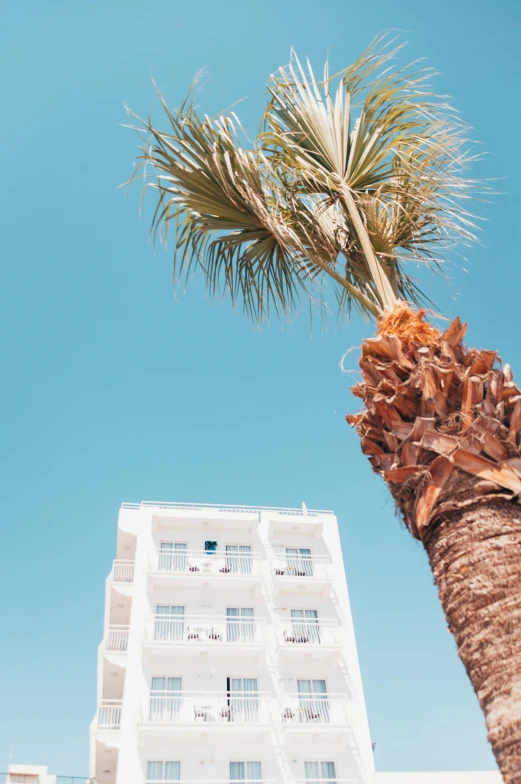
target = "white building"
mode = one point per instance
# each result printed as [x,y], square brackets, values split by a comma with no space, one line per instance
[38,774]
[17,773]
[229,651]
[28,774]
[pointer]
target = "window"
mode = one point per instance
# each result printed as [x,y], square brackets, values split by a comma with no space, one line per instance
[240,626]
[163,771]
[243,699]
[210,546]
[165,698]
[170,622]
[305,626]
[245,771]
[238,558]
[172,556]
[299,561]
[320,772]
[313,704]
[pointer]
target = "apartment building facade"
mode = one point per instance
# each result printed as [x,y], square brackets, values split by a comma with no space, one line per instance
[229,651]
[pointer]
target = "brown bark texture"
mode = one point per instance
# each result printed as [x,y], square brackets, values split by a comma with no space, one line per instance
[475,556]
[442,424]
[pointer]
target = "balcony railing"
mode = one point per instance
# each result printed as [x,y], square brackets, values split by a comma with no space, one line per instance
[109,714]
[123,571]
[200,564]
[333,780]
[33,778]
[209,708]
[304,710]
[208,630]
[227,508]
[315,567]
[307,632]
[116,639]
[222,781]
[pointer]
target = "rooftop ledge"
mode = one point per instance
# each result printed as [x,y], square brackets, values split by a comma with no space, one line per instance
[229,508]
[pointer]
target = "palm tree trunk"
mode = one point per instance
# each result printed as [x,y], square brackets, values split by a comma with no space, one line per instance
[475,556]
[442,425]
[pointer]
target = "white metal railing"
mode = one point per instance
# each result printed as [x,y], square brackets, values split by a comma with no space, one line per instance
[302,632]
[216,631]
[27,778]
[109,714]
[123,571]
[229,508]
[217,708]
[312,566]
[200,562]
[116,638]
[225,781]
[332,780]
[321,709]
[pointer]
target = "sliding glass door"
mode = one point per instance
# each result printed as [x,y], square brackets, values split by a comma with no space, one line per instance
[246,772]
[299,561]
[238,558]
[170,622]
[320,772]
[243,699]
[240,624]
[313,704]
[173,556]
[165,698]
[305,626]
[163,771]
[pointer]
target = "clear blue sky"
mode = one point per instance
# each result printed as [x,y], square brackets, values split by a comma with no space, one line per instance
[114,391]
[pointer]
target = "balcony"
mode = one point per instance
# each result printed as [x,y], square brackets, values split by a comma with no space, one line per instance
[308,574]
[198,568]
[297,521]
[232,781]
[205,635]
[318,639]
[109,714]
[312,715]
[167,516]
[206,713]
[107,723]
[123,572]
[116,639]
[333,780]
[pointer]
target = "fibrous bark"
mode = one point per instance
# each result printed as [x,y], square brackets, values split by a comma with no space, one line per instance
[475,556]
[442,425]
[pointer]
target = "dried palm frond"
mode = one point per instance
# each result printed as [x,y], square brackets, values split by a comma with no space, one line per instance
[435,413]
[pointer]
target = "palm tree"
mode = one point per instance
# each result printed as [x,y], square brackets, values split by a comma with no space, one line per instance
[350,180]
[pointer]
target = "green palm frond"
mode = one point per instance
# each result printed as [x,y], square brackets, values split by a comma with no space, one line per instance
[349,180]
[226,221]
[235,217]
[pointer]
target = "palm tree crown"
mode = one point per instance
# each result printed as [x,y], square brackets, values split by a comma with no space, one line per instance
[350,179]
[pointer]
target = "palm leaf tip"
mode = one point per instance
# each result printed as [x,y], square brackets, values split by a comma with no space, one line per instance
[349,180]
